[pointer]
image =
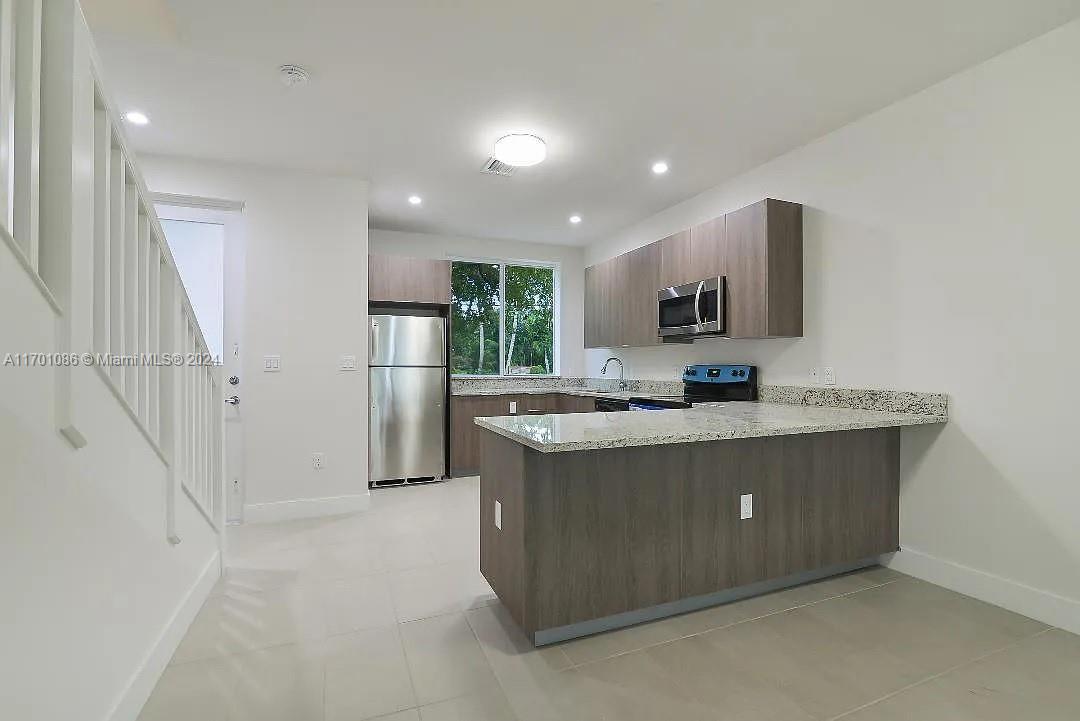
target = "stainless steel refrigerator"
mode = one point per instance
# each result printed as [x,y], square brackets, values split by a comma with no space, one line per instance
[407,375]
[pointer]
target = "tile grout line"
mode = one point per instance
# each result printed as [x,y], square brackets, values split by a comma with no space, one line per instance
[408,671]
[487,662]
[726,625]
[938,675]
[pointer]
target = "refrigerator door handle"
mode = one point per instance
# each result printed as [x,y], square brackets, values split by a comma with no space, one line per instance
[373,341]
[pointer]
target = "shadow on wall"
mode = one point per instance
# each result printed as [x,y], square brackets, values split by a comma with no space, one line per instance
[942,469]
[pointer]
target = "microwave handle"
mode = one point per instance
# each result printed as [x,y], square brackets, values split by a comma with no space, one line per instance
[697,301]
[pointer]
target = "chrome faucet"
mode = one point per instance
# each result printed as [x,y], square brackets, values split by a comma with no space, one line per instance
[622,379]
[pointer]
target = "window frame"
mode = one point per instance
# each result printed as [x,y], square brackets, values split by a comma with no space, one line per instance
[556,313]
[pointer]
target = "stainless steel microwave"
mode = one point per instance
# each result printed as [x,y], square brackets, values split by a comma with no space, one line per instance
[691,310]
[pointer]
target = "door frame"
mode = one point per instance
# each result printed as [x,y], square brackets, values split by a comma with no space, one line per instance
[230,215]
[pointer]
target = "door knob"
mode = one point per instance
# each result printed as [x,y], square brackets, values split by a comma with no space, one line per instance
[233,400]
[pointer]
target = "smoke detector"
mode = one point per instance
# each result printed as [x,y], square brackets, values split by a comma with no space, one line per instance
[293,75]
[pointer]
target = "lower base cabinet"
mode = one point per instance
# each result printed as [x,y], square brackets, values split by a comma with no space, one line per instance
[465,435]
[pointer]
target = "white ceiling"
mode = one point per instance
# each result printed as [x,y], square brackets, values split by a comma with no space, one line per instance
[411,94]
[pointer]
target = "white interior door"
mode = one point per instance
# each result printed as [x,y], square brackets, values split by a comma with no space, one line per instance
[208,246]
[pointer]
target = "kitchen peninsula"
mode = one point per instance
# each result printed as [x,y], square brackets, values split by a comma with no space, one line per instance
[592,521]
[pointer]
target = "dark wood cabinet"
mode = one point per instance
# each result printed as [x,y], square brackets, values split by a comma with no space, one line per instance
[763,254]
[592,534]
[576,404]
[639,321]
[707,242]
[605,284]
[465,435]
[675,260]
[758,249]
[399,279]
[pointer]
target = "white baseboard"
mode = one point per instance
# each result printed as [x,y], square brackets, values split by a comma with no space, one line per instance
[1045,606]
[146,677]
[305,508]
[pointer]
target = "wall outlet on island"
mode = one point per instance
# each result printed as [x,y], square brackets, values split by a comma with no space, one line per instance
[513,408]
[318,460]
[746,506]
[498,515]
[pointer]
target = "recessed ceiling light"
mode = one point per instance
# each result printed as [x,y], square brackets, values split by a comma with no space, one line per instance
[520,150]
[575,219]
[415,200]
[136,118]
[659,167]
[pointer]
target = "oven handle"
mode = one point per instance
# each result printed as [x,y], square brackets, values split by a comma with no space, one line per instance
[697,301]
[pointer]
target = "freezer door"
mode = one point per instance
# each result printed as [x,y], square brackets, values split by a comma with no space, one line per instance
[408,417]
[406,340]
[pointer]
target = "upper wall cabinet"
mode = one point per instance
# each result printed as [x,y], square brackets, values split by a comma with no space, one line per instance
[763,255]
[393,278]
[757,248]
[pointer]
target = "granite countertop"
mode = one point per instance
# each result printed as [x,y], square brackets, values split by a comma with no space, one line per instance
[705,422]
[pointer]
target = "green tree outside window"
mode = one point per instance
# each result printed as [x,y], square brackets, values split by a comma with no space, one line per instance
[527,311]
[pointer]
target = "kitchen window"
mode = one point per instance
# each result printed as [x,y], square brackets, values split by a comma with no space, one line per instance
[503,318]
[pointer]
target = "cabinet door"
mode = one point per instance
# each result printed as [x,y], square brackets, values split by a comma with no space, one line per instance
[783,231]
[707,246]
[592,306]
[675,264]
[408,280]
[616,297]
[639,322]
[465,435]
[604,284]
[747,310]
[539,404]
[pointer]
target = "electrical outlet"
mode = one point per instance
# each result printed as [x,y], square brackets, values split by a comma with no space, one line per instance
[348,363]
[318,461]
[498,515]
[815,376]
[513,408]
[830,376]
[746,506]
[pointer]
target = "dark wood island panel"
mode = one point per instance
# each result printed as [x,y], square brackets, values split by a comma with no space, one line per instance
[600,538]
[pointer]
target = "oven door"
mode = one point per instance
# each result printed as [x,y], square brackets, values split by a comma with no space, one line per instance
[692,309]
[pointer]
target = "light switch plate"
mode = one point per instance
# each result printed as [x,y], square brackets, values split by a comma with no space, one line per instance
[348,363]
[815,376]
[746,506]
[498,515]
[271,363]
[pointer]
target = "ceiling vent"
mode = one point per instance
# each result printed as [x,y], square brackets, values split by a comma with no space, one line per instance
[293,75]
[497,167]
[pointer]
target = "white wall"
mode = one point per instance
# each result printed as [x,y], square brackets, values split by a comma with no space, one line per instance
[306,300]
[571,271]
[942,246]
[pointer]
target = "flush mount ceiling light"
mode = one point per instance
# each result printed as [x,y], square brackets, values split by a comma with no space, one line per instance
[520,150]
[415,200]
[136,118]
[575,219]
[659,167]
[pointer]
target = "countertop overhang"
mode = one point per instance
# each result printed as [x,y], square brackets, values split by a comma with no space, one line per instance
[702,423]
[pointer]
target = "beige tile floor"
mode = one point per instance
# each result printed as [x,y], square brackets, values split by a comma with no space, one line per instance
[384,615]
